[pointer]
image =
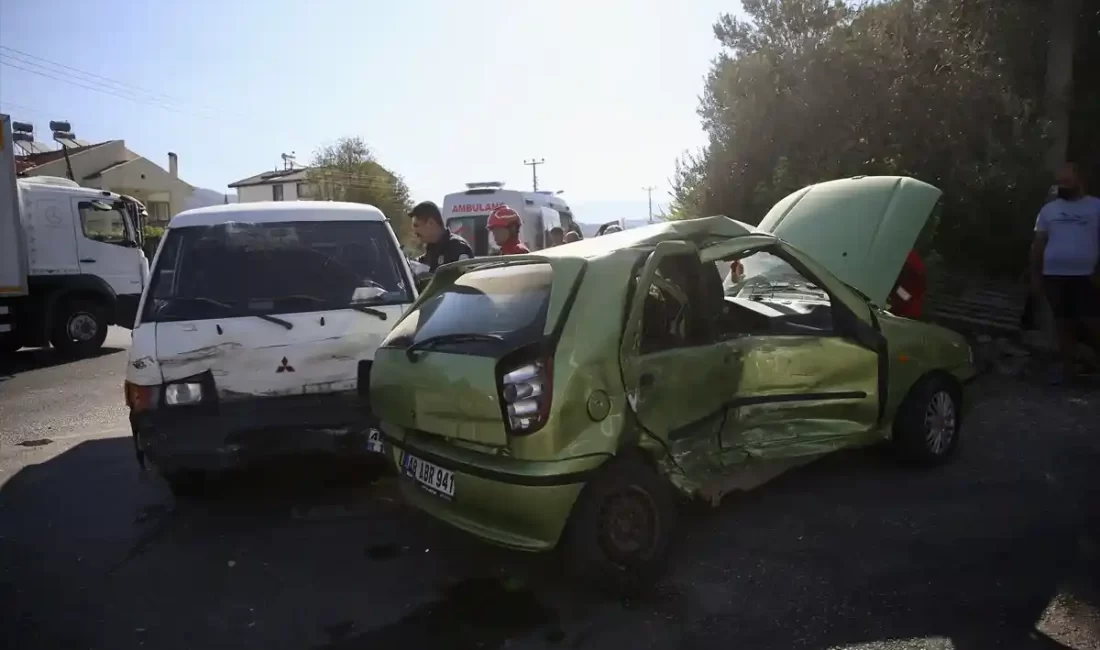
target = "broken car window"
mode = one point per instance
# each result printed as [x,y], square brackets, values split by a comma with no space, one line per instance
[762,275]
[669,316]
[766,295]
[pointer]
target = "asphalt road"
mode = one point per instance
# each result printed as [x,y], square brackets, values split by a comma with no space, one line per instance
[996,550]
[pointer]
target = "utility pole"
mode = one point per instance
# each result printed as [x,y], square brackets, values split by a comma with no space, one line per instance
[649,192]
[534,170]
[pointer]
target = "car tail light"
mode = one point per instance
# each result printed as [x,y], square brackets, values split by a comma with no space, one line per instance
[526,392]
[141,398]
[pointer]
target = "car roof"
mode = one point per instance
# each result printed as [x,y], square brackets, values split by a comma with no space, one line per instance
[699,231]
[276,212]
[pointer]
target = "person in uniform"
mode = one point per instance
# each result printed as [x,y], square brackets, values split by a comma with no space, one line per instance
[441,245]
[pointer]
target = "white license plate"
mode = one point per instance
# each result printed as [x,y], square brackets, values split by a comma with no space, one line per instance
[374,441]
[430,476]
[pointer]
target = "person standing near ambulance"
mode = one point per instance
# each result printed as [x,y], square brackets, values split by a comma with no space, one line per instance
[441,246]
[504,223]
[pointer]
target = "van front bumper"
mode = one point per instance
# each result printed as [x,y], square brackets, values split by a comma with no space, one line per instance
[238,432]
[517,504]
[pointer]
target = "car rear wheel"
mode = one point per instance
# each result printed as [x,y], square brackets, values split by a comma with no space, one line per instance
[618,536]
[927,425]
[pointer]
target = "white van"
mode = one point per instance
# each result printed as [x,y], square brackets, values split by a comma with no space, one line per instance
[258,324]
[466,214]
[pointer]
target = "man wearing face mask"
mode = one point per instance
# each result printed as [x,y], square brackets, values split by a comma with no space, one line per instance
[1064,265]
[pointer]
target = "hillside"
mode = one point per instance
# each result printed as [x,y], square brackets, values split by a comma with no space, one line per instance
[203,197]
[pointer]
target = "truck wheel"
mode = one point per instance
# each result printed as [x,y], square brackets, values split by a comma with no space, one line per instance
[926,427]
[79,328]
[618,537]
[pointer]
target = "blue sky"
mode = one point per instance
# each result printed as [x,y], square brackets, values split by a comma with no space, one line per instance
[444,92]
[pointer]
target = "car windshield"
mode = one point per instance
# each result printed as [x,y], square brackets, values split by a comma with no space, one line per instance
[507,302]
[239,269]
[767,276]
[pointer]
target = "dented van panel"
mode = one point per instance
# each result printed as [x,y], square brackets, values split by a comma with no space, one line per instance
[249,356]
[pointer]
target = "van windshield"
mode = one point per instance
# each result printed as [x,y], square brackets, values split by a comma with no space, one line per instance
[246,269]
[508,302]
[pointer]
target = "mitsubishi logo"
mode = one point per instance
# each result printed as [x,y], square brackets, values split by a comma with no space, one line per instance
[285,367]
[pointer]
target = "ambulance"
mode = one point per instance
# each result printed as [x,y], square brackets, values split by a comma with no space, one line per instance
[466,213]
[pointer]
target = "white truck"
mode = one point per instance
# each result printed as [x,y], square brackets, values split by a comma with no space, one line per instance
[466,214]
[71,262]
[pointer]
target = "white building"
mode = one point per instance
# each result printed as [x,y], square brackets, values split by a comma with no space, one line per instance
[111,166]
[278,185]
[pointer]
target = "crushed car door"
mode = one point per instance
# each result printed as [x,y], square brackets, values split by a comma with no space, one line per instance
[804,375]
[670,368]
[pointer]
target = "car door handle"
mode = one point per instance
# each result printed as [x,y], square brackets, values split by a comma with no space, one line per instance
[87,261]
[646,380]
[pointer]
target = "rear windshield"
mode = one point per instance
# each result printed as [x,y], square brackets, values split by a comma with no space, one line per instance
[506,301]
[239,269]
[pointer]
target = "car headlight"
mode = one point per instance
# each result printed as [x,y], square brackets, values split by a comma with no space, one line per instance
[182,394]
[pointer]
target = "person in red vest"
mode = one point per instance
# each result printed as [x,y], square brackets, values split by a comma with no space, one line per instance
[504,223]
[907,299]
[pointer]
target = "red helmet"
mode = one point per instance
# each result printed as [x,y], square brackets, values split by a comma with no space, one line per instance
[503,217]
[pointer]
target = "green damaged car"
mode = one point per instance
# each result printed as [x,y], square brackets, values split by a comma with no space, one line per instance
[569,397]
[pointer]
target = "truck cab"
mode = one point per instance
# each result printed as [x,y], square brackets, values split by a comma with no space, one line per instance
[71,262]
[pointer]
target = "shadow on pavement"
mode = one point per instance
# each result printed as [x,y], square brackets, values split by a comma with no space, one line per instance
[30,359]
[977,561]
[998,549]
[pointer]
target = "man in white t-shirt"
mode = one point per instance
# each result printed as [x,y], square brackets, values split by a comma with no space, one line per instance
[1065,263]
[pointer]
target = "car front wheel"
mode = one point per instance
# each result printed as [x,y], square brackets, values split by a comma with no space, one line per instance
[927,425]
[618,536]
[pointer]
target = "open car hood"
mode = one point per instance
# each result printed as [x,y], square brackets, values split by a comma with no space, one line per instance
[861,228]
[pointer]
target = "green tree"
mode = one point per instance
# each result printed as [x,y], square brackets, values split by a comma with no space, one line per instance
[349,171]
[810,90]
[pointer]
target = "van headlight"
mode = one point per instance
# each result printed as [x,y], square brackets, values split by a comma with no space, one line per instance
[182,394]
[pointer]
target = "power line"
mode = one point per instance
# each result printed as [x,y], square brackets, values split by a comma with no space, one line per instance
[649,191]
[85,73]
[14,107]
[17,59]
[534,171]
[97,89]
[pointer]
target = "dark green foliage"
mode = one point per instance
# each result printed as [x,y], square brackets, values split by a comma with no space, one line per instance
[947,91]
